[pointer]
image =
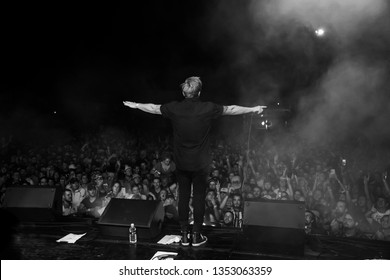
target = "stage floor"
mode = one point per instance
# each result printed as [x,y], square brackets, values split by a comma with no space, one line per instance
[37,241]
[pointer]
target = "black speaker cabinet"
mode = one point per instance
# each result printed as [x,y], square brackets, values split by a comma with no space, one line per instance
[275,213]
[147,216]
[276,225]
[33,203]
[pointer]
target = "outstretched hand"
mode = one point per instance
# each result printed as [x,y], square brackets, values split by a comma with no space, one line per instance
[259,109]
[130,104]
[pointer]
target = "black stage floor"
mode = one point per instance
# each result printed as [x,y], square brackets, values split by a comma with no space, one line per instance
[37,241]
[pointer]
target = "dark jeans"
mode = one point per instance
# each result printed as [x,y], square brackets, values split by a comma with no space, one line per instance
[199,180]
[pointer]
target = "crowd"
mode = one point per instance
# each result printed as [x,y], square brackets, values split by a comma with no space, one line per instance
[342,197]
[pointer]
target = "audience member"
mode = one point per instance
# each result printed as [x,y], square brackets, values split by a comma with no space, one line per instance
[91,205]
[67,206]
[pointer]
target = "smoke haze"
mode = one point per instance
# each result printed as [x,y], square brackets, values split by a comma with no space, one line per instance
[352,95]
[247,52]
[338,82]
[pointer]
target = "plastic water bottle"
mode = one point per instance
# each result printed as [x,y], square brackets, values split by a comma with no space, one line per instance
[132,234]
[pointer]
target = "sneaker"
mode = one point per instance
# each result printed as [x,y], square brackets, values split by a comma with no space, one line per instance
[185,238]
[198,239]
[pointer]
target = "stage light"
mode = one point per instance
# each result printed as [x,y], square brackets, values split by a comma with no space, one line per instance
[266,124]
[320,32]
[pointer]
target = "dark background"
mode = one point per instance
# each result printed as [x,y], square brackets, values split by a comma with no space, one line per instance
[70,66]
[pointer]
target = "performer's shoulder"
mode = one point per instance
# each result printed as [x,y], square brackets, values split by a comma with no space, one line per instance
[211,103]
[170,103]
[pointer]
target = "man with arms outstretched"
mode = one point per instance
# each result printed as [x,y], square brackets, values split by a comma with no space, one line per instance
[191,120]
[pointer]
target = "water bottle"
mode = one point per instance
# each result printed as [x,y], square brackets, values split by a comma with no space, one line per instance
[240,219]
[132,234]
[235,220]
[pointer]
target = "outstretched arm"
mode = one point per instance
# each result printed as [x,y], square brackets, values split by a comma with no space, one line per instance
[148,108]
[239,110]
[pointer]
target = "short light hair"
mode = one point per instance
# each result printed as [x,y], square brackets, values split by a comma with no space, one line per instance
[191,87]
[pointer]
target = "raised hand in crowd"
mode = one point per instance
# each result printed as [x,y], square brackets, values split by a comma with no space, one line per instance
[366,179]
[386,185]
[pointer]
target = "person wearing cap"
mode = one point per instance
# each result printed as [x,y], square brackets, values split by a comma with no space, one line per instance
[91,205]
[137,180]
[72,166]
[78,193]
[127,170]
[127,181]
[100,185]
[192,119]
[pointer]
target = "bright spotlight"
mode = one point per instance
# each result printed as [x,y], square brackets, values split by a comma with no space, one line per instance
[266,124]
[320,32]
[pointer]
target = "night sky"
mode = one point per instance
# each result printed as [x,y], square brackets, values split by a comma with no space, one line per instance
[80,61]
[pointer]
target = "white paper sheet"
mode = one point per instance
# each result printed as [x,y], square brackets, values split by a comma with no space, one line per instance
[71,238]
[161,255]
[169,239]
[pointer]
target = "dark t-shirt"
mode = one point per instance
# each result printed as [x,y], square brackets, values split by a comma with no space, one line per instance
[191,121]
[88,204]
